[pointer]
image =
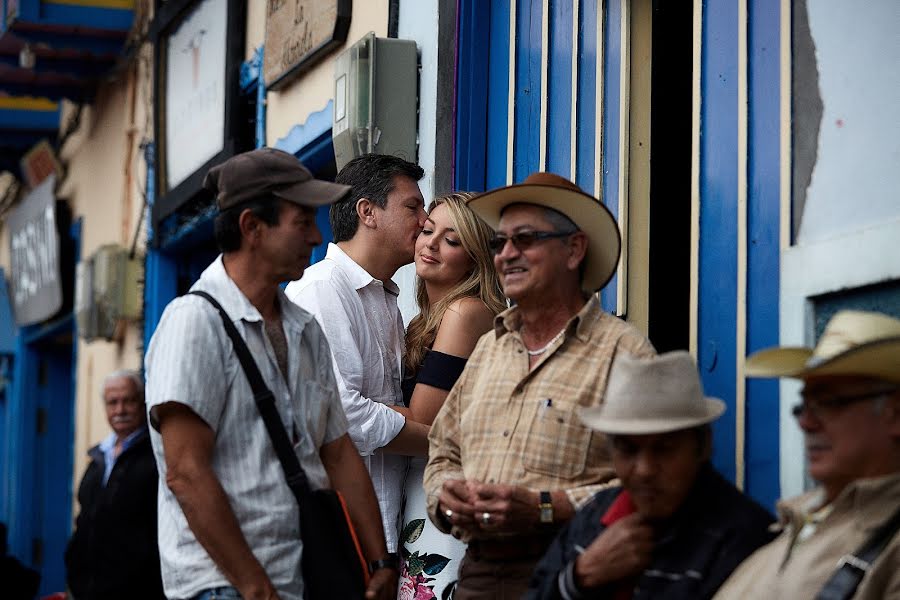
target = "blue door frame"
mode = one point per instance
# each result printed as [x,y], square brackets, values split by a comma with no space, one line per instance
[41,431]
[480,162]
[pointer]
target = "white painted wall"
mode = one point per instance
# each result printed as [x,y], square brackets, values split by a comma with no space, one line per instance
[851,222]
[856,180]
[419,21]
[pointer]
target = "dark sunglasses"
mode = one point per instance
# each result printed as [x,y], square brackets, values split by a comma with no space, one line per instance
[524,239]
[825,407]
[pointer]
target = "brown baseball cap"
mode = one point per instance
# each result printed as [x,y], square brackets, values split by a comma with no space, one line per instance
[266,171]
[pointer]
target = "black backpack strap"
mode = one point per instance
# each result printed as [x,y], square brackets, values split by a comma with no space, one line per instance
[265,403]
[853,567]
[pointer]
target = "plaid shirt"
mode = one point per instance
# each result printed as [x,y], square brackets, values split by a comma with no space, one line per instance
[504,423]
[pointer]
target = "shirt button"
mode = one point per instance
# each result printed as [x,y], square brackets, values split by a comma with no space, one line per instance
[491,480]
[506,433]
[520,351]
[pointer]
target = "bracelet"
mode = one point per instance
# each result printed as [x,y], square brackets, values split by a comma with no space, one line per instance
[391,561]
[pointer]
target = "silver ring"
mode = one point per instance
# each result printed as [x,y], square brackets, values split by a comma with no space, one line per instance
[448,513]
[486,518]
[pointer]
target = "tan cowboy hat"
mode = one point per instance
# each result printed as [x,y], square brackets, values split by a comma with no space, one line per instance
[560,194]
[854,342]
[652,395]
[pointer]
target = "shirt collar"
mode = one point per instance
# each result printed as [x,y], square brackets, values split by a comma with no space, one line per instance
[359,277]
[109,442]
[581,324]
[216,281]
[870,499]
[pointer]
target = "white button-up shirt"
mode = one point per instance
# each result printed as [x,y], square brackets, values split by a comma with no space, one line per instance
[360,317]
[191,360]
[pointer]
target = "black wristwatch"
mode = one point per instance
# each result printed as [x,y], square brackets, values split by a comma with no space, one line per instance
[391,561]
[546,508]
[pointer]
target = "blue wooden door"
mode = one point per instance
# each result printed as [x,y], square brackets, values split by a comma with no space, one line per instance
[544,85]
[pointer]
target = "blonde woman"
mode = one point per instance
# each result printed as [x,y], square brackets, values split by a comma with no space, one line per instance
[459,294]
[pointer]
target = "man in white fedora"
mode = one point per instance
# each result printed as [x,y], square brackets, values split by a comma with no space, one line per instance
[840,540]
[675,528]
[509,460]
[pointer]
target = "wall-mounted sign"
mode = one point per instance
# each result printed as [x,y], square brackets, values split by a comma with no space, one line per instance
[299,33]
[34,251]
[199,120]
[195,90]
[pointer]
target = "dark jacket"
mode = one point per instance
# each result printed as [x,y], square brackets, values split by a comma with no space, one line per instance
[114,551]
[715,530]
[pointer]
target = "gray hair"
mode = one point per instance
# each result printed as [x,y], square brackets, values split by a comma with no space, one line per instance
[131,375]
[560,222]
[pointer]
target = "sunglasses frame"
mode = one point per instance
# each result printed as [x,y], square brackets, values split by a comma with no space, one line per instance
[823,406]
[523,240]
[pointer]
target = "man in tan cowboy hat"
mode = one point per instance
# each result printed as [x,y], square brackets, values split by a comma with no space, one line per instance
[839,540]
[675,529]
[509,461]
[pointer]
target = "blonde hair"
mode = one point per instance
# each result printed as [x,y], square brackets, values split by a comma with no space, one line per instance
[481,282]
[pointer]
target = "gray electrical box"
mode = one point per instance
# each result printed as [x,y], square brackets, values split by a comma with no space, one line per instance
[375,99]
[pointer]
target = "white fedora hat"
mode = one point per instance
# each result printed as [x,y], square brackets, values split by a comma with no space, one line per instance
[854,342]
[653,395]
[560,194]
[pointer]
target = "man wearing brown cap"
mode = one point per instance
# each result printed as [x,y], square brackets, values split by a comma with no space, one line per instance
[841,539]
[228,523]
[675,528]
[509,460]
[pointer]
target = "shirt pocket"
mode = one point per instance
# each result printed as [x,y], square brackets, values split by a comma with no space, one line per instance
[557,443]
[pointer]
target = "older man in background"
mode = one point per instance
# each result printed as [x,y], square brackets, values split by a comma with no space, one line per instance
[675,528]
[840,540]
[509,461]
[113,552]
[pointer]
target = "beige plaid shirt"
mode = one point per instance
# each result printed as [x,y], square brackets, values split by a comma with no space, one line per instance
[504,423]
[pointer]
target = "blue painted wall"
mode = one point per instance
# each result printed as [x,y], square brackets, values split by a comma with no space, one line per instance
[483,97]
[37,502]
[717,314]
[763,239]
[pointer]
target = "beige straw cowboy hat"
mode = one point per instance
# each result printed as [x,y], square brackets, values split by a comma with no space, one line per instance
[854,342]
[560,194]
[653,395]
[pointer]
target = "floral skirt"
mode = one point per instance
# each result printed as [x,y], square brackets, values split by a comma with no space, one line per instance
[429,558]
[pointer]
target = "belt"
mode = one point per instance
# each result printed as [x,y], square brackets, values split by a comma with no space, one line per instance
[510,549]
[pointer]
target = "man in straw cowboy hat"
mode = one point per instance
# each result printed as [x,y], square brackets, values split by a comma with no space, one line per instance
[675,528]
[839,540]
[509,461]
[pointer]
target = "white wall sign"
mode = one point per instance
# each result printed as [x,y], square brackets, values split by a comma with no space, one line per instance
[195,90]
[34,252]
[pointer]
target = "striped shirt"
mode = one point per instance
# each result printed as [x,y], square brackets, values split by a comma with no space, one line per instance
[190,360]
[505,423]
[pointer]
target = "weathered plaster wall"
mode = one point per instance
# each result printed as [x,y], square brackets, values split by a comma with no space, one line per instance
[847,143]
[105,175]
[419,21]
[855,178]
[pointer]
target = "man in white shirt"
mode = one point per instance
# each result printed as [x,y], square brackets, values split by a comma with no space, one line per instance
[351,294]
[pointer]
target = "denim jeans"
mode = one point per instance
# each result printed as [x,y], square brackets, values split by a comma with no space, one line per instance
[219,593]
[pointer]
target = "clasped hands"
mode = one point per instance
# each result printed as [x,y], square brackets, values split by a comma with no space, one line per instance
[474,506]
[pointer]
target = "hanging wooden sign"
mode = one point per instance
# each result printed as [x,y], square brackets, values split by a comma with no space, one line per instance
[299,34]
